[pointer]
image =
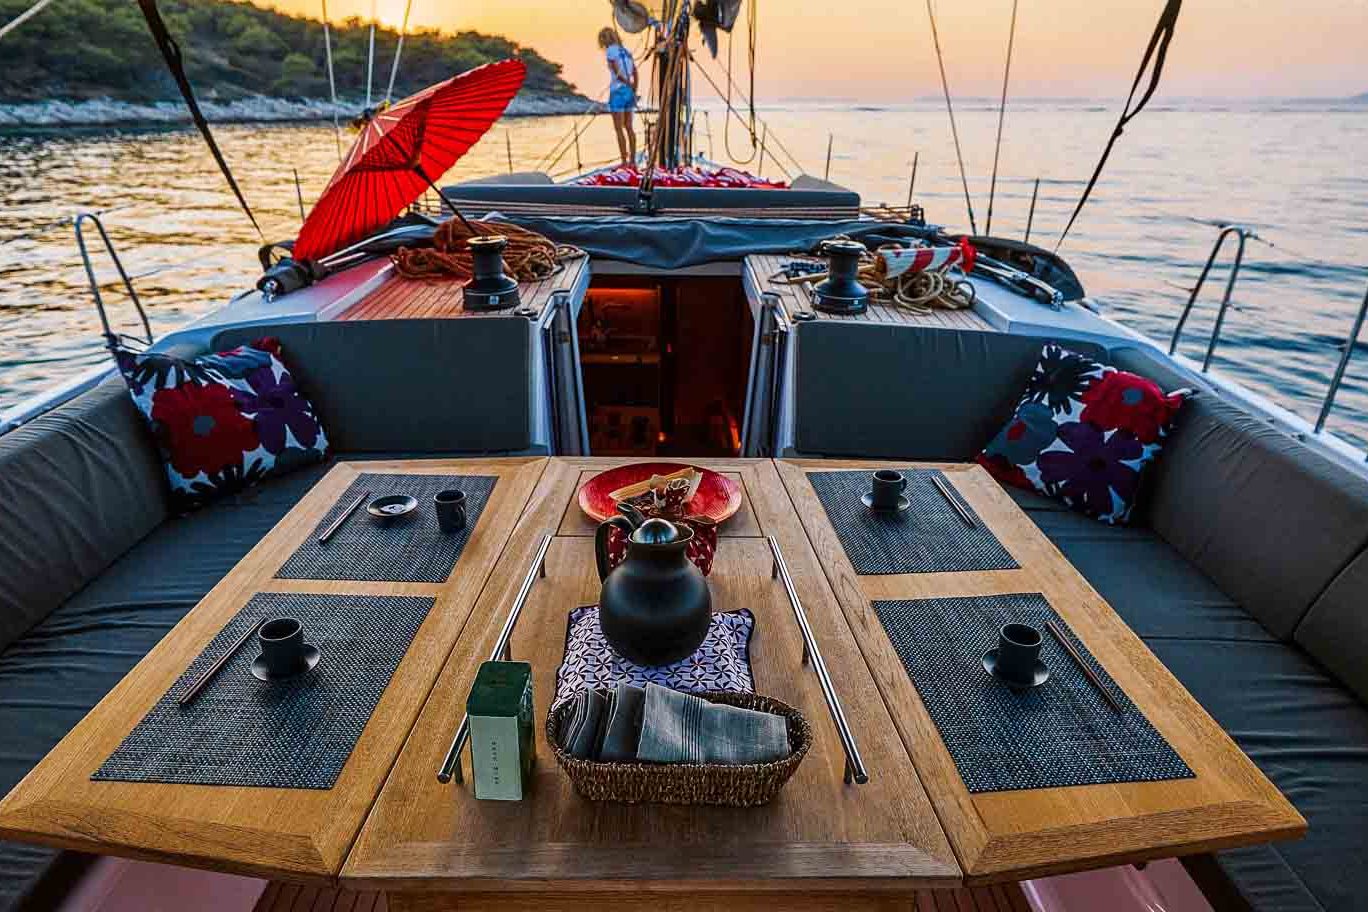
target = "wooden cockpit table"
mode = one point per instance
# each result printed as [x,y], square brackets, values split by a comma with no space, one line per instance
[821,840]
[826,842]
[294,834]
[1014,835]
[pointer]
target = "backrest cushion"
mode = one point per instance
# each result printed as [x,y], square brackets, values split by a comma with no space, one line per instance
[1083,433]
[1269,520]
[902,392]
[1335,630]
[223,421]
[412,386]
[79,486]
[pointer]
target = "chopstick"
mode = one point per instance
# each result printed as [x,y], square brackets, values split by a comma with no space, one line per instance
[222,660]
[1086,668]
[337,523]
[954,502]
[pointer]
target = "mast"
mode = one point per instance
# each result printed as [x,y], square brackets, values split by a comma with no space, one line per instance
[672,86]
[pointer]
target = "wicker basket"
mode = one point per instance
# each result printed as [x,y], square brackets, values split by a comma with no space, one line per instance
[746,785]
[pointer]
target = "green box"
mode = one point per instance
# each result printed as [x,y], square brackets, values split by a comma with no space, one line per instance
[502,745]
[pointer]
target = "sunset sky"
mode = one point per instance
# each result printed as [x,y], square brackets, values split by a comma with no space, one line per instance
[881,51]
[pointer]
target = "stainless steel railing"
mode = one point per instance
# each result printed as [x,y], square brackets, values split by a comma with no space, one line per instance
[1243,234]
[111,338]
[451,765]
[1340,368]
[854,766]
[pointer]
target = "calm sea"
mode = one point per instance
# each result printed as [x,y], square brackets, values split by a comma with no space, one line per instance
[1296,170]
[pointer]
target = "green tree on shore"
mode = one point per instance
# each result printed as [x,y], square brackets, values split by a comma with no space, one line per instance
[101,48]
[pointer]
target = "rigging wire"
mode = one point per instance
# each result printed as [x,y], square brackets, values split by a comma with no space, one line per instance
[23,17]
[726,121]
[586,117]
[175,62]
[398,51]
[332,83]
[1157,50]
[954,132]
[370,56]
[732,111]
[1002,113]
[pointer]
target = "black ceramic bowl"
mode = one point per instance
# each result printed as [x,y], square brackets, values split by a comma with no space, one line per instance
[391,506]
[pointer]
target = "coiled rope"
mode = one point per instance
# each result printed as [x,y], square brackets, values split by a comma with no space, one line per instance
[915,292]
[529,256]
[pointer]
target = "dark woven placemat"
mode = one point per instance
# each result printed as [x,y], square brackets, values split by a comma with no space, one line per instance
[411,549]
[928,537]
[1058,734]
[292,734]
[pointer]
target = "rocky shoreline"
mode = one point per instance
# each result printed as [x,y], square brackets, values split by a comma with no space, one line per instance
[253,109]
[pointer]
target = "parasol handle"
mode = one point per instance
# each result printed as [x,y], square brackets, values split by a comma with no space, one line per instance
[418,169]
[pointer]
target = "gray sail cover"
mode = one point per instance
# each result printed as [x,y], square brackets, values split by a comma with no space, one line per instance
[662,242]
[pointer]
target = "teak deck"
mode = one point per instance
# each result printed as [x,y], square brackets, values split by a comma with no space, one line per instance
[797,298]
[400,298]
[912,832]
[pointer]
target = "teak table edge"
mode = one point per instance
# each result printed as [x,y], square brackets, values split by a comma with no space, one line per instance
[38,810]
[980,825]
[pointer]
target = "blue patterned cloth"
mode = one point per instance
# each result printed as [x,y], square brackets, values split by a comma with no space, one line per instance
[722,662]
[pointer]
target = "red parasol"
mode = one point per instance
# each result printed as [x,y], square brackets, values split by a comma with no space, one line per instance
[400,153]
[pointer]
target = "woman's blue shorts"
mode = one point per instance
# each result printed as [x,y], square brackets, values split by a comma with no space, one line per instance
[622,98]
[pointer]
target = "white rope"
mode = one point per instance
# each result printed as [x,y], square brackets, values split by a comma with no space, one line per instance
[332,83]
[23,17]
[398,51]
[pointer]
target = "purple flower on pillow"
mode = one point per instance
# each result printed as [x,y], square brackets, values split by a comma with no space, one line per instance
[275,405]
[1031,430]
[1092,468]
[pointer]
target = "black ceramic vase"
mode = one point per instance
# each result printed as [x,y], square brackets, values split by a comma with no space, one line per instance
[655,607]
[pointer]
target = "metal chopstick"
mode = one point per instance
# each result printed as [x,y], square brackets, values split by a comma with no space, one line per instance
[959,507]
[337,523]
[222,660]
[1086,668]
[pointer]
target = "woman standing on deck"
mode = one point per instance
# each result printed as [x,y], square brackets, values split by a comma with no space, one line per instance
[622,92]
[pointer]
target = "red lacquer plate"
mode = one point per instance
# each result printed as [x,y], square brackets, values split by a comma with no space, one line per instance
[717,497]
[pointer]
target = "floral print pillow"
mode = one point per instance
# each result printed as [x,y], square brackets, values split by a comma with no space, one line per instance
[223,421]
[1083,434]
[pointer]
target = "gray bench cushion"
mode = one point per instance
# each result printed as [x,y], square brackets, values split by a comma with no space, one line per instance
[1307,733]
[78,487]
[1335,630]
[932,394]
[1268,519]
[1310,737]
[420,386]
[1155,590]
[51,677]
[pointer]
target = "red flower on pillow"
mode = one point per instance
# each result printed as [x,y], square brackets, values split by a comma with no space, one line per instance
[1004,471]
[201,428]
[1130,402]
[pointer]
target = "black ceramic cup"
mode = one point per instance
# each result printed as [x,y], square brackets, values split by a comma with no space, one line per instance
[1018,651]
[886,487]
[451,510]
[282,646]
